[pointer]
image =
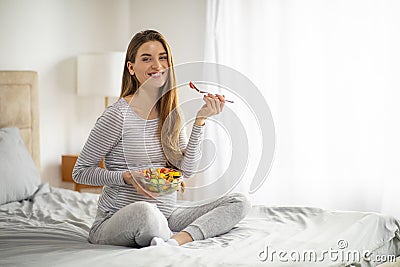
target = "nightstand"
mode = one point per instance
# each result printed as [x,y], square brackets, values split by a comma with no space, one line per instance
[67,165]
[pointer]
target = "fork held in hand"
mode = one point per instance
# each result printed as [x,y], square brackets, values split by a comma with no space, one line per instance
[203,92]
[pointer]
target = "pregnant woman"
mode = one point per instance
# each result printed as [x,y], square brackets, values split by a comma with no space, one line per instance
[142,130]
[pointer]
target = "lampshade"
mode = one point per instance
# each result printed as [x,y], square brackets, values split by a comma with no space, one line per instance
[100,74]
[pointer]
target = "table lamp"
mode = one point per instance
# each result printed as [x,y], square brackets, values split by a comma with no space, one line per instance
[100,74]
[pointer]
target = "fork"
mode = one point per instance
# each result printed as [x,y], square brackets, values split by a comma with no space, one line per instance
[191,84]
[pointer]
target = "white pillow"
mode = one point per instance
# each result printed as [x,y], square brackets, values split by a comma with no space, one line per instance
[19,178]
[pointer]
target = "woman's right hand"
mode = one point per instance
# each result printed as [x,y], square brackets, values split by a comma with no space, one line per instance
[214,105]
[130,178]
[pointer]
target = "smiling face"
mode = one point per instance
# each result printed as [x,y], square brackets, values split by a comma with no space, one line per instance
[151,64]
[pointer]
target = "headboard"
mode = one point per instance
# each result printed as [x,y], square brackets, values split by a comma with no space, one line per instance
[19,107]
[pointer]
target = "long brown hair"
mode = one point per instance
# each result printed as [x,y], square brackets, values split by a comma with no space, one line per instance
[167,105]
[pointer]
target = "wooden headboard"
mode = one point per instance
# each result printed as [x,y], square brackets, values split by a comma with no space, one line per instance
[19,107]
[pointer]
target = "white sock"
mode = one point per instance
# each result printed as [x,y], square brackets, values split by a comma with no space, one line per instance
[172,242]
[157,241]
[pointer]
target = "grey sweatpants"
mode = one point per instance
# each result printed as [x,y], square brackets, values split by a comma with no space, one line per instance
[136,224]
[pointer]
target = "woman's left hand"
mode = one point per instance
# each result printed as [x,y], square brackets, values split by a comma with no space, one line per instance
[213,106]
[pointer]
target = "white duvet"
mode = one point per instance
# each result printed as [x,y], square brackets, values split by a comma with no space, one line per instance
[52,230]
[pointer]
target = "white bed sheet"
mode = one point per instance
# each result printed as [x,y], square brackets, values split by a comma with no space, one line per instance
[52,230]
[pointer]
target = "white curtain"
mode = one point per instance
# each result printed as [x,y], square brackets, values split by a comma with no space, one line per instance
[329,71]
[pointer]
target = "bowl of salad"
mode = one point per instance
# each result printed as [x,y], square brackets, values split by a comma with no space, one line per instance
[162,181]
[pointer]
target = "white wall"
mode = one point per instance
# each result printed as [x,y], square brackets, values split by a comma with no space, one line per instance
[182,22]
[47,35]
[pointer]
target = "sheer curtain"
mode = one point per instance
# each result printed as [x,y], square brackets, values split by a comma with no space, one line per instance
[329,73]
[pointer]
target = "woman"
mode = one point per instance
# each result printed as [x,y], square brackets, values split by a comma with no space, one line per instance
[139,131]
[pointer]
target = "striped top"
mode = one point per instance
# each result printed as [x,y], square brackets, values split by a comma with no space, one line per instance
[128,142]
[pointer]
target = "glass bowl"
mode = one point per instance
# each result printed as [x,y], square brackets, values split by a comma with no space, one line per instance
[162,181]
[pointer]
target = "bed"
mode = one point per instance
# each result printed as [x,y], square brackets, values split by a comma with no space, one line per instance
[42,225]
